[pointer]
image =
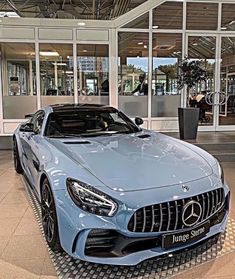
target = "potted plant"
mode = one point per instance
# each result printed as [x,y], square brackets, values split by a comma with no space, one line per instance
[191,74]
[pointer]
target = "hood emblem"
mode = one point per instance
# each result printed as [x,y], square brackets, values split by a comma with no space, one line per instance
[192,212]
[185,188]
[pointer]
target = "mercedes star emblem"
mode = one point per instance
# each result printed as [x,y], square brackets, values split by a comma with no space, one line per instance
[185,188]
[192,212]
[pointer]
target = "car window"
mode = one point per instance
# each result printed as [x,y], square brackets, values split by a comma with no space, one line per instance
[88,123]
[37,121]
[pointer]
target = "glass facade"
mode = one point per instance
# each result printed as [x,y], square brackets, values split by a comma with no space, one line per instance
[18,71]
[56,73]
[93,73]
[134,65]
[167,53]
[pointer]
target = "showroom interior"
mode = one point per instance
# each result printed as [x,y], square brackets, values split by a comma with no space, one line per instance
[98,52]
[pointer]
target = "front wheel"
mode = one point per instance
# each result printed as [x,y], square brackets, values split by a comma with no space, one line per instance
[49,217]
[17,163]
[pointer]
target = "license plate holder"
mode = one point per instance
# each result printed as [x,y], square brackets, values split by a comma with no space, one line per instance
[171,240]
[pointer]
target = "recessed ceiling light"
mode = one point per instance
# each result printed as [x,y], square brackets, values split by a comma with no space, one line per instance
[145,46]
[140,43]
[224,28]
[155,27]
[59,64]
[49,53]
[81,23]
[195,44]
[85,50]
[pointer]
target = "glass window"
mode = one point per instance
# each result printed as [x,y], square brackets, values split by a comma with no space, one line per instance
[228,18]
[227,108]
[202,16]
[93,73]
[140,22]
[203,48]
[56,73]
[168,15]
[133,73]
[19,79]
[167,53]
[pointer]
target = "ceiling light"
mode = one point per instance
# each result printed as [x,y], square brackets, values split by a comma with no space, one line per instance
[69,72]
[59,64]
[145,46]
[224,28]
[85,50]
[81,23]
[49,53]
[140,43]
[195,44]
[155,27]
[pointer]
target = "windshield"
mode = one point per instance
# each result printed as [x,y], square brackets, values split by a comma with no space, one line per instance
[88,122]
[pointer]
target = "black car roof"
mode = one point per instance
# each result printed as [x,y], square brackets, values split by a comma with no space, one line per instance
[72,107]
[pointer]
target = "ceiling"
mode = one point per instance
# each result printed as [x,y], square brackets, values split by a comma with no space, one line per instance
[70,9]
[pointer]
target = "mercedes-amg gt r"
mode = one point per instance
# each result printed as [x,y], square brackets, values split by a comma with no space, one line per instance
[114,193]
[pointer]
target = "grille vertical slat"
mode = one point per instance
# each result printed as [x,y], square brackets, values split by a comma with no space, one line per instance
[153,218]
[167,216]
[216,200]
[213,202]
[135,217]
[176,215]
[144,217]
[161,217]
[208,205]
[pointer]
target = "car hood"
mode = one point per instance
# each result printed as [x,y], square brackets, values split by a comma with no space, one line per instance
[135,161]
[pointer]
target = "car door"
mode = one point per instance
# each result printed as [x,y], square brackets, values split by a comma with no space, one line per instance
[31,146]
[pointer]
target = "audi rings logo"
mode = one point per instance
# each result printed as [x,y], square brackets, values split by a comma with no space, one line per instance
[192,212]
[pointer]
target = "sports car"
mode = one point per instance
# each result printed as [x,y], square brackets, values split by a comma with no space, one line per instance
[112,192]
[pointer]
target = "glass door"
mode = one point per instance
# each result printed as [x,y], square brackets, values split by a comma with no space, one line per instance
[203,48]
[227,82]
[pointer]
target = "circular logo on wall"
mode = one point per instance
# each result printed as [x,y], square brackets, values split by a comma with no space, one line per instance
[192,212]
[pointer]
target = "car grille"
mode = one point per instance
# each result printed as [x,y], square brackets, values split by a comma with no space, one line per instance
[167,216]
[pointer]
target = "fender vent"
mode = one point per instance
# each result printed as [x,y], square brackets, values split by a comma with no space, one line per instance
[77,142]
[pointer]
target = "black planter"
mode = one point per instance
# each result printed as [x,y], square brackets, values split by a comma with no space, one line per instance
[188,122]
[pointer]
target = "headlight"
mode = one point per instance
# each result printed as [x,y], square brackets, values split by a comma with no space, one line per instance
[90,199]
[221,172]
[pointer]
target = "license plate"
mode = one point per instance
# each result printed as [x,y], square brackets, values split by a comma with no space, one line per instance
[185,237]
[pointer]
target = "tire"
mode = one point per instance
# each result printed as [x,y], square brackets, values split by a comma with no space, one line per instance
[17,163]
[49,217]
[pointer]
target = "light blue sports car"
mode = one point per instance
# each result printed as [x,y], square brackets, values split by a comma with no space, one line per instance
[113,193]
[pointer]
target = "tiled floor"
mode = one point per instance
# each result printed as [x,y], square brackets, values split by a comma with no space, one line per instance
[23,254]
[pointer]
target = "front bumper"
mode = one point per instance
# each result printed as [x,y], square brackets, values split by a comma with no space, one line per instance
[103,240]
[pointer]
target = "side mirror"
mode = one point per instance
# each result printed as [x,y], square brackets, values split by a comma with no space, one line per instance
[139,121]
[27,127]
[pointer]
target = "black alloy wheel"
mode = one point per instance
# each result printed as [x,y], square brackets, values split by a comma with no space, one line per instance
[49,217]
[17,163]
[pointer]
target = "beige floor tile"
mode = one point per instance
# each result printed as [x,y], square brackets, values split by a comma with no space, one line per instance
[5,187]
[2,195]
[8,226]
[13,210]
[17,197]
[22,247]
[3,243]
[29,213]
[48,268]
[48,277]
[27,226]
[12,271]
